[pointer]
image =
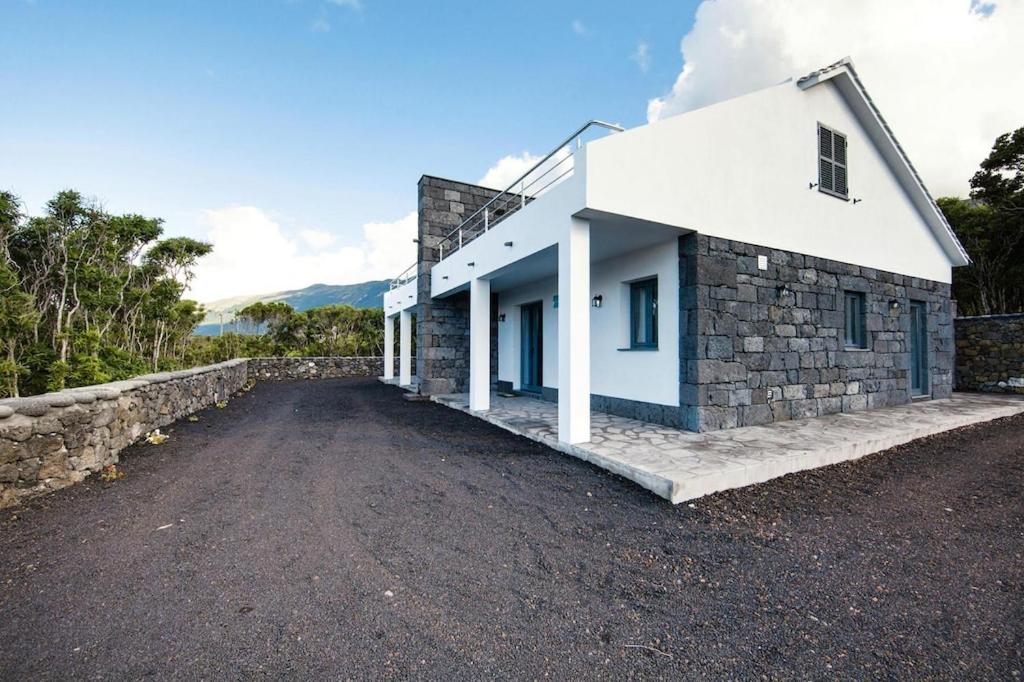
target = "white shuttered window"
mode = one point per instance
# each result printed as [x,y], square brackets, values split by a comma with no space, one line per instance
[832,162]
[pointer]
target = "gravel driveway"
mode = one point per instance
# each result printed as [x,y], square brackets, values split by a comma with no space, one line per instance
[332,529]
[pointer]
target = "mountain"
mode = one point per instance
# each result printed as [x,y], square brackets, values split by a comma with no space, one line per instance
[362,295]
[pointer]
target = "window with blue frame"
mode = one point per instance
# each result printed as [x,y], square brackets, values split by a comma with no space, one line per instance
[854,334]
[643,314]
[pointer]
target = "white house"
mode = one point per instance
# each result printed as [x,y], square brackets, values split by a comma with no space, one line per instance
[769,257]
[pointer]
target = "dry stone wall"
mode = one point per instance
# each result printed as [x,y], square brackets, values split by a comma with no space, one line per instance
[55,440]
[990,353]
[278,369]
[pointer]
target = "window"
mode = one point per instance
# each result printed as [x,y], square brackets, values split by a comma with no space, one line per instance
[832,162]
[643,314]
[855,336]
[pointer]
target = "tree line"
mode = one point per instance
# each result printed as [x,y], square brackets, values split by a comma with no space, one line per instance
[280,330]
[990,225]
[88,297]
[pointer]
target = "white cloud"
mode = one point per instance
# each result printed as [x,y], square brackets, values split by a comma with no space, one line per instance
[254,254]
[579,28]
[642,56]
[321,25]
[317,239]
[507,170]
[945,73]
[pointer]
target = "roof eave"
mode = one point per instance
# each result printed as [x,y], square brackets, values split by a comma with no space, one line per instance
[851,87]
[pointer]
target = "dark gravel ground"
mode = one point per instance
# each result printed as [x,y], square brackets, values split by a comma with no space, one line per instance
[333,530]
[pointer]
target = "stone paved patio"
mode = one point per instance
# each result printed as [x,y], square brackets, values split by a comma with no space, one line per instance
[682,465]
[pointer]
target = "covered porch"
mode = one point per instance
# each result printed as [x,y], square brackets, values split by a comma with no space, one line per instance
[683,465]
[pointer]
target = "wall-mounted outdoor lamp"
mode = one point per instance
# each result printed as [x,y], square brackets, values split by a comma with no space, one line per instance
[471,263]
[894,305]
[782,290]
[508,243]
[597,301]
[501,317]
[444,276]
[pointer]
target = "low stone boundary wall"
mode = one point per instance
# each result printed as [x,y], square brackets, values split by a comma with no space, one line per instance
[990,353]
[277,369]
[54,440]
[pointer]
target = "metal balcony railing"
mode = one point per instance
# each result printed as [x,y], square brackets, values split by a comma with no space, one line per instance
[408,275]
[557,165]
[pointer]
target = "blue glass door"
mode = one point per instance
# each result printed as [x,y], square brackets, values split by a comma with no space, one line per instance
[918,349]
[532,347]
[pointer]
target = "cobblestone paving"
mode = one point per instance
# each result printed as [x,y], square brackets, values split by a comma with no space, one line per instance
[683,465]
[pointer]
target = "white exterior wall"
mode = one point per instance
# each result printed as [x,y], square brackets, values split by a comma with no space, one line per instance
[401,298]
[648,376]
[740,170]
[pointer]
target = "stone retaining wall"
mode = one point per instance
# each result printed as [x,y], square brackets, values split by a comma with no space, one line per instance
[57,439]
[277,369]
[990,353]
[54,440]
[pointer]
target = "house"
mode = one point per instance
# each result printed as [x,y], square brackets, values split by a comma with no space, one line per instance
[769,257]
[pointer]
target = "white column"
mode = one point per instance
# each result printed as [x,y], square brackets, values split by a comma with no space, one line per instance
[389,348]
[479,344]
[405,348]
[574,333]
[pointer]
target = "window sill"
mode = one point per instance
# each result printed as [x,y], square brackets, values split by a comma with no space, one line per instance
[641,349]
[837,195]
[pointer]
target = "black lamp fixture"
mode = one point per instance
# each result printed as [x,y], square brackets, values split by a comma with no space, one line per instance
[501,317]
[894,305]
[597,301]
[782,290]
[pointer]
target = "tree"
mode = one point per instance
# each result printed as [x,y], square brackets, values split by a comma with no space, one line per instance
[991,228]
[89,296]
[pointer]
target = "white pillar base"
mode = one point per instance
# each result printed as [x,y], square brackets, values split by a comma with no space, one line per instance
[479,345]
[574,333]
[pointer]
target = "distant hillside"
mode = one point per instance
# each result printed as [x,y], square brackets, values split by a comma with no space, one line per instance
[362,295]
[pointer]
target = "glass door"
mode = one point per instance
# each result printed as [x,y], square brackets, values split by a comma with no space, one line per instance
[532,347]
[918,349]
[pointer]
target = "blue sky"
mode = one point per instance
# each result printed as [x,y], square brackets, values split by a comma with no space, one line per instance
[319,116]
[171,108]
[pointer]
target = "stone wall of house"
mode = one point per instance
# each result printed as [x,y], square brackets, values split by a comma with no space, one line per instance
[277,369]
[442,325]
[57,439]
[760,346]
[990,353]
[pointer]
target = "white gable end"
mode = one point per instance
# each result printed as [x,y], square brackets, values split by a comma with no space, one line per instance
[741,170]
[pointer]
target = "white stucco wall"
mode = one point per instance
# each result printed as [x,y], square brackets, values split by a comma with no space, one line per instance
[740,170]
[399,299]
[651,375]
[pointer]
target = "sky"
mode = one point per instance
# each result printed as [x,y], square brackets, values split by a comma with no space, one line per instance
[291,133]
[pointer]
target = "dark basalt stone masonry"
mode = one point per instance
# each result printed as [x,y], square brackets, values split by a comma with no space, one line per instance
[442,326]
[760,346]
[990,353]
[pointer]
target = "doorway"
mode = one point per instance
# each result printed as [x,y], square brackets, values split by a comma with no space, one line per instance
[532,347]
[918,349]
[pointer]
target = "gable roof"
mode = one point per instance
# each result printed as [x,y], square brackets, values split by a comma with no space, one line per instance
[846,80]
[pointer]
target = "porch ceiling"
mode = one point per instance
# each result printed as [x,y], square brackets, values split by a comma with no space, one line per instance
[608,238]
